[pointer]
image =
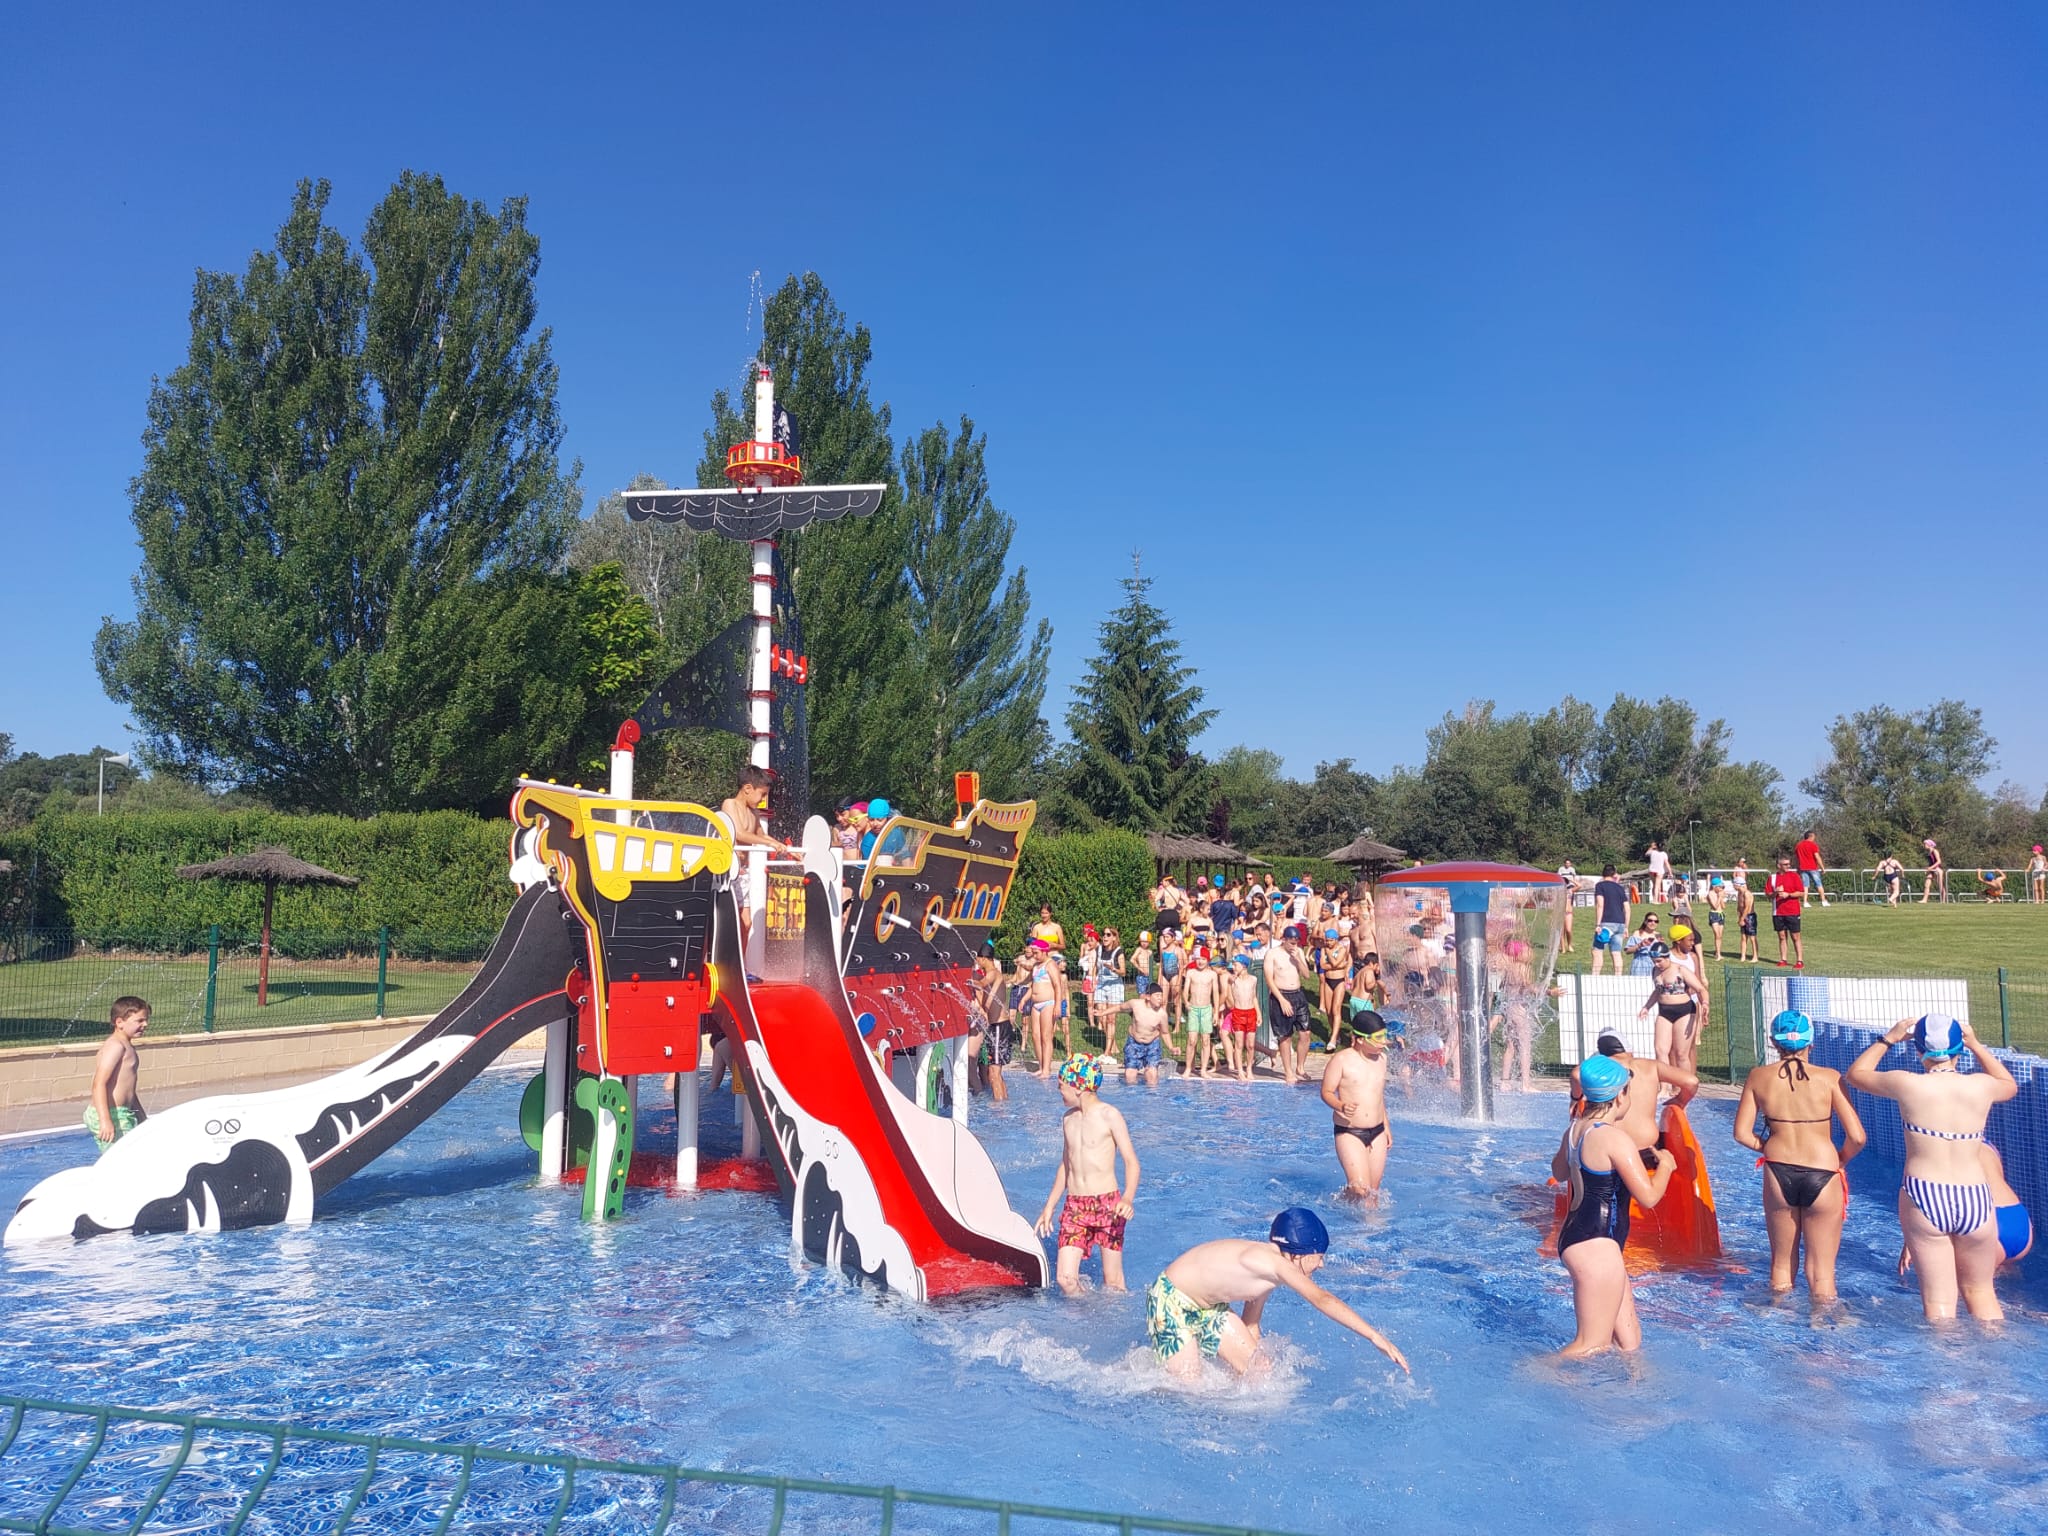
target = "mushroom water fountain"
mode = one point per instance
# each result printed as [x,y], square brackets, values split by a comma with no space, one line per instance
[1468,885]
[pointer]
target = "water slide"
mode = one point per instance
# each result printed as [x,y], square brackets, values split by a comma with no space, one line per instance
[875,1185]
[250,1159]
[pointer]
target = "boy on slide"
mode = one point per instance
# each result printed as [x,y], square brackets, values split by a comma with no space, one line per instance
[1094,1134]
[1187,1310]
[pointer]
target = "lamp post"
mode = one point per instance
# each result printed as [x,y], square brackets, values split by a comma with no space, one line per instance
[125,761]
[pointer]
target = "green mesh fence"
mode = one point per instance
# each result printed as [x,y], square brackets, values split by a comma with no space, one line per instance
[70,1469]
[59,986]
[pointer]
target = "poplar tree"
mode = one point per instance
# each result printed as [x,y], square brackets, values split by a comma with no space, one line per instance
[352,516]
[1134,720]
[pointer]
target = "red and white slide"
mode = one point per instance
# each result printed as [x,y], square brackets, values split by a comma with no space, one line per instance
[875,1185]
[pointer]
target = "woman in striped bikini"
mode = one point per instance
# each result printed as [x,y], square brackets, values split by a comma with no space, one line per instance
[1945,1209]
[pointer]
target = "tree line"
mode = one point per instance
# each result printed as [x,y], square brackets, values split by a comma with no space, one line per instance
[366,585]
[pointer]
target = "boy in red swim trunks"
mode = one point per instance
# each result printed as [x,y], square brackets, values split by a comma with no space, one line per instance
[1244,1018]
[1096,1209]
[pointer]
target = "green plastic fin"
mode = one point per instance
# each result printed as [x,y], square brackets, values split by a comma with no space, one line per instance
[604,1189]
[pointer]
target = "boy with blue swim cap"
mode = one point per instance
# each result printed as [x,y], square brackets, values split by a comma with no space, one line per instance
[1187,1309]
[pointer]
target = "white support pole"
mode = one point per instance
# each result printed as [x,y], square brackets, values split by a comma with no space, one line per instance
[689,1089]
[957,1049]
[554,1127]
[750,1129]
[921,1074]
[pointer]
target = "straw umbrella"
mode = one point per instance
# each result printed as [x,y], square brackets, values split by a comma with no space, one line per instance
[271,867]
[1369,858]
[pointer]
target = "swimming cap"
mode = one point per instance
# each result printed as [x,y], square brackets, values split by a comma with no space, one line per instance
[1659,950]
[1300,1230]
[1081,1072]
[1611,1045]
[1601,1079]
[1792,1029]
[1938,1035]
[1145,938]
[1217,881]
[880,810]
[1329,933]
[1240,960]
[1041,944]
[1715,881]
[859,807]
[1680,931]
[1369,1024]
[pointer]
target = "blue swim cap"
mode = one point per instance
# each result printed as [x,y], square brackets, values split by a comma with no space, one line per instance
[1792,1029]
[1300,1230]
[880,810]
[1938,1035]
[1601,1079]
[1715,881]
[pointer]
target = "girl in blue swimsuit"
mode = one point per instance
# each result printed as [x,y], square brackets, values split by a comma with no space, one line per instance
[1599,1160]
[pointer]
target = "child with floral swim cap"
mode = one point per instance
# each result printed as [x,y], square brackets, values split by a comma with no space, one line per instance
[1094,1135]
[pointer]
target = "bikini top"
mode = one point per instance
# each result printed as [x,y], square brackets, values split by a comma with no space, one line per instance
[1674,988]
[1786,1069]
[1921,1130]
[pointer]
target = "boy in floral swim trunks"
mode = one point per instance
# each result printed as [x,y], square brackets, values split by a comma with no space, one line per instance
[1187,1310]
[1096,1210]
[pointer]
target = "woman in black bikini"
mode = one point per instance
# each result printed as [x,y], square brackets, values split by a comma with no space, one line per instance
[1599,1160]
[1806,1191]
[1676,994]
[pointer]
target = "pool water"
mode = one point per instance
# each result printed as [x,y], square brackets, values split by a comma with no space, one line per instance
[444,1296]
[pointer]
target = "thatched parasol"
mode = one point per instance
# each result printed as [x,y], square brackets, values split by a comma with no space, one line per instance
[272,867]
[1369,858]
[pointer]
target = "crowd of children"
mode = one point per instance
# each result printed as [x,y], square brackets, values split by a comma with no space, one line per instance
[1220,961]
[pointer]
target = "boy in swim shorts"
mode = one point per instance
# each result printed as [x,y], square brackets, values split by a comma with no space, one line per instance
[1201,993]
[1143,1052]
[1244,1017]
[116,1107]
[1187,1309]
[1093,1135]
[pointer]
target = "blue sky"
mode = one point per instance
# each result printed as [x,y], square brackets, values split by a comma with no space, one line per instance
[1429,352]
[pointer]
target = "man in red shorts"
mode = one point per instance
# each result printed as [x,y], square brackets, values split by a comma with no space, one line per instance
[1096,1210]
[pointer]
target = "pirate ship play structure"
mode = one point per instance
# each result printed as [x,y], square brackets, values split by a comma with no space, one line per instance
[842,1000]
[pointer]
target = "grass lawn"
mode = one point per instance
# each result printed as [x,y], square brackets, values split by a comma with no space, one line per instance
[68,999]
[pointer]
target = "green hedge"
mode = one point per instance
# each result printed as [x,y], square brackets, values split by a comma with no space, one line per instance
[1088,877]
[434,879]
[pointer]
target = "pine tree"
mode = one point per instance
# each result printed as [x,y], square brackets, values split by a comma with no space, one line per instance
[1134,720]
[983,685]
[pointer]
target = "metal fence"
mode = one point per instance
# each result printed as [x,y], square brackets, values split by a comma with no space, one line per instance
[2007,1008]
[128,1469]
[1864,885]
[57,986]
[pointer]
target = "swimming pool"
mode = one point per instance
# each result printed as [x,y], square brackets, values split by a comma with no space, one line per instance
[446,1298]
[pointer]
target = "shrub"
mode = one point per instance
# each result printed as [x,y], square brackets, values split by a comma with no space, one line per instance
[433,878]
[1094,877]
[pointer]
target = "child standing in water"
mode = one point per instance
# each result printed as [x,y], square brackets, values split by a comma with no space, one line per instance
[1142,1052]
[1094,1135]
[1201,990]
[1244,1017]
[1604,1169]
[1355,1087]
